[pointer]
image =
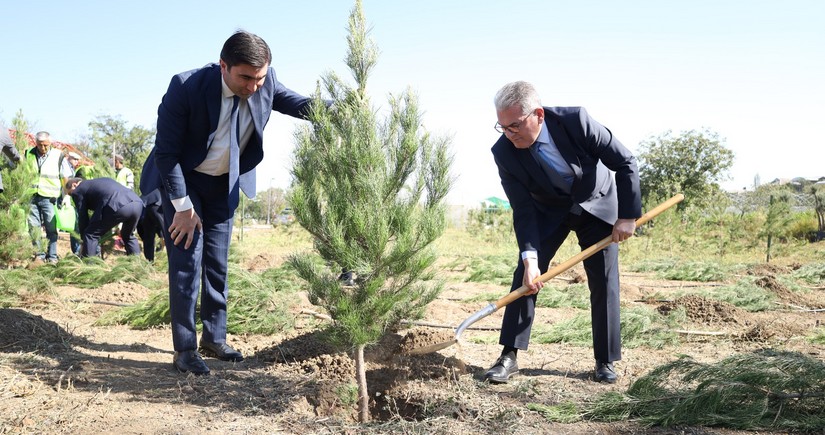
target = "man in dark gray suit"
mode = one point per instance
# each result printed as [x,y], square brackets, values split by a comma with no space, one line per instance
[209,140]
[555,166]
[112,204]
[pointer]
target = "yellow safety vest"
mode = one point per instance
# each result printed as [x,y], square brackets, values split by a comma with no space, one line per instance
[47,183]
[125,176]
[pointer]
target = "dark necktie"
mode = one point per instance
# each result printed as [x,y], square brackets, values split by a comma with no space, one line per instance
[549,169]
[234,153]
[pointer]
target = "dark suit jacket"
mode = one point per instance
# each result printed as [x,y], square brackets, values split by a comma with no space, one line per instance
[97,194]
[590,149]
[187,120]
[9,150]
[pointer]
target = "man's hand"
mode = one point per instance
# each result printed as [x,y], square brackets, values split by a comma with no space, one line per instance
[623,229]
[183,227]
[531,272]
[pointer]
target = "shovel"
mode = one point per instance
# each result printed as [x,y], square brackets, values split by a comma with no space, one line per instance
[547,276]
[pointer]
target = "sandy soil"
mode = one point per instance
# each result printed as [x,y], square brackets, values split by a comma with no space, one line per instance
[61,373]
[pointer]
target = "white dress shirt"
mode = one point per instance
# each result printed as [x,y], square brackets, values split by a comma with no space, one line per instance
[217,157]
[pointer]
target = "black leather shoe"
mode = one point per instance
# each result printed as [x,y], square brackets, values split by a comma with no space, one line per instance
[190,361]
[504,367]
[221,351]
[604,372]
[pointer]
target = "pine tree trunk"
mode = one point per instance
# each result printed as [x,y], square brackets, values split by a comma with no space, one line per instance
[363,397]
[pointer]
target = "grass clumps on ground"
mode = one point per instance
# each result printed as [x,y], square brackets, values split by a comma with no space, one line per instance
[813,273]
[551,296]
[92,272]
[495,269]
[18,285]
[641,326]
[258,303]
[762,390]
[673,269]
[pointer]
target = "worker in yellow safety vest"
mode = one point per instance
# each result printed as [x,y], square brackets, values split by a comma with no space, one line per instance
[51,170]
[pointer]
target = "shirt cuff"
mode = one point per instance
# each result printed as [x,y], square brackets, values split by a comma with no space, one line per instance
[529,255]
[182,204]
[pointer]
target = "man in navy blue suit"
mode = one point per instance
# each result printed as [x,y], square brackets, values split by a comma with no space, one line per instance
[209,140]
[562,171]
[111,204]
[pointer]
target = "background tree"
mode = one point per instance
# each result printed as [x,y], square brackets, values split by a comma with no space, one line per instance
[777,218]
[692,163]
[15,244]
[818,193]
[110,135]
[371,195]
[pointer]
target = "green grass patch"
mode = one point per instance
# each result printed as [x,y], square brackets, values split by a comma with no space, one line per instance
[258,303]
[818,336]
[641,326]
[550,296]
[744,294]
[766,389]
[18,285]
[93,272]
[494,269]
[813,273]
[480,338]
[675,270]
[571,296]
[565,412]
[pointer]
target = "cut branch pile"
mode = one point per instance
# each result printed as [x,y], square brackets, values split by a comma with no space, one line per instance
[762,390]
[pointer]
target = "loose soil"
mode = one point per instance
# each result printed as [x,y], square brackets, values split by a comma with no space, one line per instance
[60,372]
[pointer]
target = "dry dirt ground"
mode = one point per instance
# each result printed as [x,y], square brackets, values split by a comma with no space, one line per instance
[60,373]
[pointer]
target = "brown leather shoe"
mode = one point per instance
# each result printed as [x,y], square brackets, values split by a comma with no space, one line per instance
[504,367]
[190,361]
[221,351]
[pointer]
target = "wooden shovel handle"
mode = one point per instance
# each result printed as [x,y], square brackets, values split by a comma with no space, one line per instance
[581,256]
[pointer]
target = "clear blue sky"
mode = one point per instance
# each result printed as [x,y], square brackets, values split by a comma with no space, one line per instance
[750,70]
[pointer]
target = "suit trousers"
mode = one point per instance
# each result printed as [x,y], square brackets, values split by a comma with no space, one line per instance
[103,221]
[602,271]
[150,225]
[204,266]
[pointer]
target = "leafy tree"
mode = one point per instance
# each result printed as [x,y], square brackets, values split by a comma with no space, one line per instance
[110,135]
[371,195]
[692,163]
[15,243]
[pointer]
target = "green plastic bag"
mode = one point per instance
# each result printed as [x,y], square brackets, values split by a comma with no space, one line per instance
[65,216]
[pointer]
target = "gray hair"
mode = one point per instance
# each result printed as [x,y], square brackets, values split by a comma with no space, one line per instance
[518,93]
[42,135]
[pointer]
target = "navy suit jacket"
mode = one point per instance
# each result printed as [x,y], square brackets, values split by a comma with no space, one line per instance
[590,149]
[98,193]
[187,120]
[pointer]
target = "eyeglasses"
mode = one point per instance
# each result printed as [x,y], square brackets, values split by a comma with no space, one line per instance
[514,127]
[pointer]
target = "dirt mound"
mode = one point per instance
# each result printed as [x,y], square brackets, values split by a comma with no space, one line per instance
[762,269]
[421,338]
[298,349]
[786,295]
[338,367]
[701,309]
[262,262]
[25,332]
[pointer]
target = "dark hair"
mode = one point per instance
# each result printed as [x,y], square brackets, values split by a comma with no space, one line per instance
[245,47]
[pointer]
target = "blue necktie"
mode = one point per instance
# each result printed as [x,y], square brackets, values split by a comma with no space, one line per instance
[234,154]
[549,168]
